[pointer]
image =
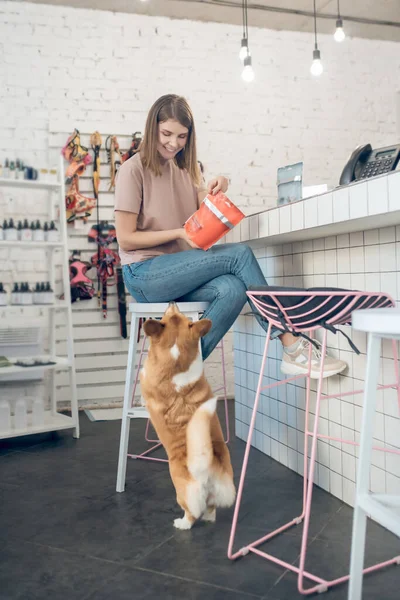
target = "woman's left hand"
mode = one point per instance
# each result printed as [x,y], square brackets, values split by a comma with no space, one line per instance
[217,184]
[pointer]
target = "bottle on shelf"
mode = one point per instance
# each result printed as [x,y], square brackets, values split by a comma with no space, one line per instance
[49,294]
[20,420]
[26,232]
[12,169]
[1,232]
[27,294]
[3,295]
[6,170]
[37,412]
[53,233]
[11,233]
[15,294]
[38,233]
[5,416]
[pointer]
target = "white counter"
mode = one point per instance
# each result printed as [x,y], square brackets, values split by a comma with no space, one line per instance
[346,238]
[356,207]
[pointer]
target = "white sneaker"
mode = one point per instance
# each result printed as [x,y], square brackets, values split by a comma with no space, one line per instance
[296,362]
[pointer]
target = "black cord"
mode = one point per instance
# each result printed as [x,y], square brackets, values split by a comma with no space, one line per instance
[315,26]
[247,28]
[243,19]
[338,9]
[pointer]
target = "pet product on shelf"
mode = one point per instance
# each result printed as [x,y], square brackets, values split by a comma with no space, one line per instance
[114,158]
[136,141]
[82,287]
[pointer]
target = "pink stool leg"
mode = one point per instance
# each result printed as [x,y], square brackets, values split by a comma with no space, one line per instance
[247,452]
[300,582]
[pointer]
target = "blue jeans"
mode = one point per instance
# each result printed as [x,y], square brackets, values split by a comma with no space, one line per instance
[219,276]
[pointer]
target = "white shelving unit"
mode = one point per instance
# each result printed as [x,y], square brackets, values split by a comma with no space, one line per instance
[53,420]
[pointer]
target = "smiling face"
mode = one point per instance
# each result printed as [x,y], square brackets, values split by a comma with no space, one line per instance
[172,137]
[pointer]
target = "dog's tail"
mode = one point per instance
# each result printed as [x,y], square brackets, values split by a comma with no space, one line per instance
[199,444]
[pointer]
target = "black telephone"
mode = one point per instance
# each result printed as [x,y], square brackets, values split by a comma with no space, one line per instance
[365,162]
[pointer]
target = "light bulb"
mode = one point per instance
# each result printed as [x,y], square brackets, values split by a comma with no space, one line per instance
[339,34]
[247,73]
[243,49]
[317,66]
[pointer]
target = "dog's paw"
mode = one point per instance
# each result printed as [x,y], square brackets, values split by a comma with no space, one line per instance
[209,516]
[182,523]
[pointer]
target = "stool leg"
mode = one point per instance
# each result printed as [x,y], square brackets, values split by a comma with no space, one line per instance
[310,483]
[227,438]
[247,451]
[396,370]
[367,428]
[129,384]
[306,430]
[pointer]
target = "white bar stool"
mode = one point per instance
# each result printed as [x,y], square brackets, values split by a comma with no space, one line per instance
[193,310]
[382,508]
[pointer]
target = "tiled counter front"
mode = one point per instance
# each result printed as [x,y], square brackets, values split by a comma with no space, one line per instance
[365,260]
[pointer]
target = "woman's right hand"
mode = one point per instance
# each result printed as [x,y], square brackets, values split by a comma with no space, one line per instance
[184,236]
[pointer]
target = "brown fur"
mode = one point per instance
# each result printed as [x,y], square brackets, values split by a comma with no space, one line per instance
[184,420]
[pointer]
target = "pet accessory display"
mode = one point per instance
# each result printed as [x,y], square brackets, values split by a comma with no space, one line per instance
[135,143]
[113,157]
[77,155]
[82,287]
[216,216]
[78,206]
[105,264]
[96,141]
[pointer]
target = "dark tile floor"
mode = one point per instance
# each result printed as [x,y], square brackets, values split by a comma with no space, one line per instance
[66,534]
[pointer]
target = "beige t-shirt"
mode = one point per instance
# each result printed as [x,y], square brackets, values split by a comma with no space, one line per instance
[161,203]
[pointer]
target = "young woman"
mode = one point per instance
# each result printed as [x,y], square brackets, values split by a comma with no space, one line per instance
[157,190]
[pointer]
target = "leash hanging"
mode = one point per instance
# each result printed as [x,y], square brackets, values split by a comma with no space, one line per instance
[95,142]
[135,143]
[114,158]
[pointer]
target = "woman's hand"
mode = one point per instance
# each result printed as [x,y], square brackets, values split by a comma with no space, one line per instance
[184,236]
[217,184]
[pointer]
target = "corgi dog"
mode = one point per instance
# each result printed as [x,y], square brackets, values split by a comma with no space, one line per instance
[182,410]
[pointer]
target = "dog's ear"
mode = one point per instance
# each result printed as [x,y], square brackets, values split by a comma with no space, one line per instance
[153,328]
[201,327]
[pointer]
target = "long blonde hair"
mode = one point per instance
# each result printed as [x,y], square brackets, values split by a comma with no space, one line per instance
[167,107]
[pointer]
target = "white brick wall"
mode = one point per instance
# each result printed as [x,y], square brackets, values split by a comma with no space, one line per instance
[63,68]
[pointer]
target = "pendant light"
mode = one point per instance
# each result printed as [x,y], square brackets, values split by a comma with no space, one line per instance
[247,73]
[317,66]
[244,44]
[339,34]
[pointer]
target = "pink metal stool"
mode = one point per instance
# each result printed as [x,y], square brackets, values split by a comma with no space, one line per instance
[306,311]
[139,311]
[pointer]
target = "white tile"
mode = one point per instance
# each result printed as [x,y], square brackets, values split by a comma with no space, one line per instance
[358,200]
[323,477]
[340,203]
[387,257]
[378,196]
[343,240]
[319,262]
[387,234]
[236,234]
[377,480]
[335,459]
[330,242]
[245,230]
[392,431]
[263,225]
[349,490]
[310,213]
[372,282]
[349,467]
[389,284]
[358,281]
[343,258]
[357,259]
[357,238]
[371,258]
[325,211]
[297,215]
[285,218]
[347,410]
[318,244]
[392,464]
[336,485]
[394,191]
[273,224]
[253,227]
[371,237]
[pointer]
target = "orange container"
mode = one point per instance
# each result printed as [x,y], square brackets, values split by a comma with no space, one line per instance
[216,216]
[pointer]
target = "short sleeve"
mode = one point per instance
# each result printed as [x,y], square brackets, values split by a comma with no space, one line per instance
[129,186]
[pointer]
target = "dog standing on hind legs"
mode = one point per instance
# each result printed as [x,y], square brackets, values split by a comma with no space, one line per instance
[182,410]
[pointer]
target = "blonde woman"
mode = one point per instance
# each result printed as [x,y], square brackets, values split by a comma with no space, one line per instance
[157,190]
